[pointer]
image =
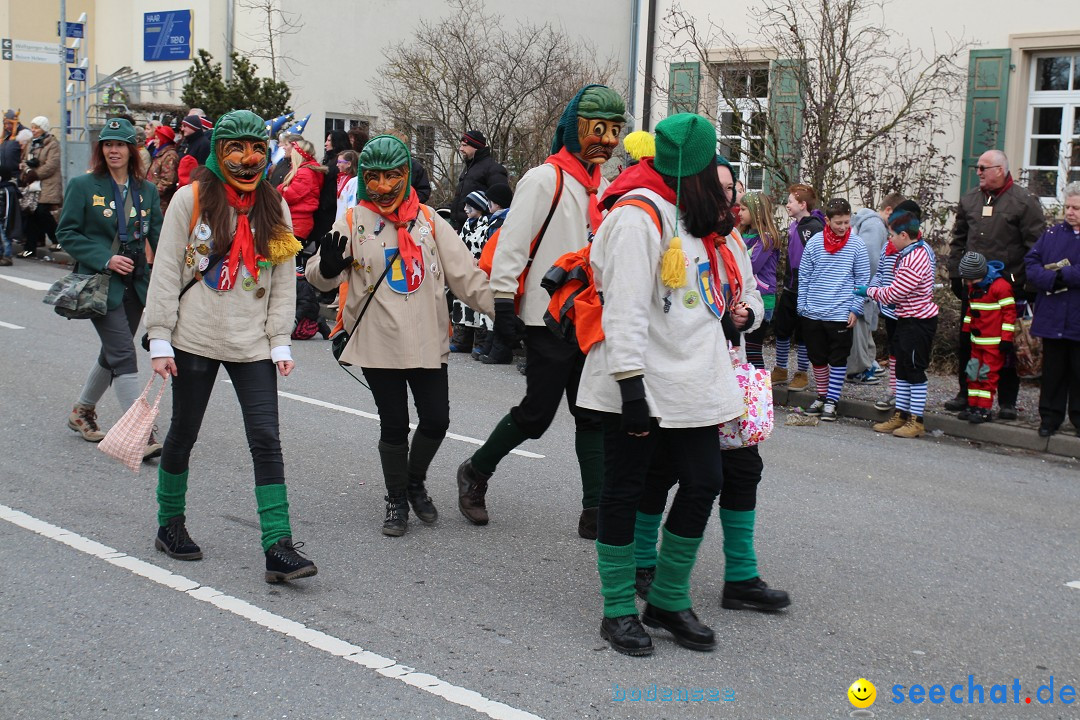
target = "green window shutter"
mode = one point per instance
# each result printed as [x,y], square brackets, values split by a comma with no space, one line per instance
[684,79]
[786,113]
[984,112]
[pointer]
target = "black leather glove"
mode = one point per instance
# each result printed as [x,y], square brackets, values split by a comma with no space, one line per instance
[1007,347]
[33,162]
[506,321]
[1059,282]
[635,408]
[958,288]
[331,255]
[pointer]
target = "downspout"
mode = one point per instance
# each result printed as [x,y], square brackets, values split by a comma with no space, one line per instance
[230,21]
[635,21]
[650,49]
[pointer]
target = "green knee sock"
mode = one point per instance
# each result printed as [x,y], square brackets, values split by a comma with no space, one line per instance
[671,588]
[589,445]
[645,528]
[505,437]
[171,494]
[273,503]
[616,566]
[740,561]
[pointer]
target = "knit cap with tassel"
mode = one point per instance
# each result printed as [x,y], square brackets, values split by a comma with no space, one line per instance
[685,145]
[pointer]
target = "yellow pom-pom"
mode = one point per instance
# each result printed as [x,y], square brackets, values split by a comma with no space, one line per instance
[640,144]
[284,247]
[673,265]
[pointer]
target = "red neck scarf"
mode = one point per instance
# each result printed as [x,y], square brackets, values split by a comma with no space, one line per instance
[835,243]
[401,218]
[995,194]
[589,179]
[890,248]
[342,181]
[641,175]
[713,242]
[243,244]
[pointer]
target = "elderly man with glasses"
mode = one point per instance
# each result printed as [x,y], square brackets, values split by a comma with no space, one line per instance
[1002,221]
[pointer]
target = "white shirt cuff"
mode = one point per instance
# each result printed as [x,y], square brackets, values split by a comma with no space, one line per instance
[161,348]
[281,353]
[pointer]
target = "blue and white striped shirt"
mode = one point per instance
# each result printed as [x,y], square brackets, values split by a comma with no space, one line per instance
[827,281]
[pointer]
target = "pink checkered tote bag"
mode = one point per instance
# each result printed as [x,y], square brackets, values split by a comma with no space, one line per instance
[127,439]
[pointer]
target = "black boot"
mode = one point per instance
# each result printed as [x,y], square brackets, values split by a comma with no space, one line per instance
[960,402]
[499,354]
[643,578]
[284,562]
[420,456]
[683,625]
[753,594]
[174,541]
[626,635]
[397,516]
[462,339]
[586,526]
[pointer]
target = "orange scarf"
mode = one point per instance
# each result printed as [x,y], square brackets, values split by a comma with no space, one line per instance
[714,242]
[401,218]
[243,244]
[589,179]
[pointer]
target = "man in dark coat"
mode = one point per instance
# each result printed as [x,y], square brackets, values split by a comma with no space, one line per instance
[481,172]
[193,149]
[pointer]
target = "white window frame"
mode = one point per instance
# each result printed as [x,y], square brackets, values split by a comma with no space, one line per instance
[347,122]
[1069,102]
[745,107]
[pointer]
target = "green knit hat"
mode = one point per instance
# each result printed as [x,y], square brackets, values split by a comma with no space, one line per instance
[383,152]
[118,129]
[592,101]
[685,145]
[231,126]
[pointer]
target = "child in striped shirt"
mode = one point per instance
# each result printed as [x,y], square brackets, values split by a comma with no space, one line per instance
[911,292]
[833,264]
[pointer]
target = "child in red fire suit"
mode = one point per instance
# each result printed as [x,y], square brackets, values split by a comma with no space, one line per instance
[990,320]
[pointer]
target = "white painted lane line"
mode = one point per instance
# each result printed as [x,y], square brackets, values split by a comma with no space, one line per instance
[241,608]
[32,284]
[10,326]
[1073,584]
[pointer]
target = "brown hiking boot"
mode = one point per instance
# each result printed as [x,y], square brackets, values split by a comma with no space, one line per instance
[153,447]
[779,376]
[800,381]
[83,420]
[895,422]
[472,486]
[913,428]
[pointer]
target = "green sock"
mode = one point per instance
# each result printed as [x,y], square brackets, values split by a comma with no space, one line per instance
[589,445]
[616,566]
[671,588]
[645,528]
[505,437]
[273,503]
[740,561]
[171,493]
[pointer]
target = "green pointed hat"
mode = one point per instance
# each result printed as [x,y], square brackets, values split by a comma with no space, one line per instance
[592,101]
[230,126]
[383,152]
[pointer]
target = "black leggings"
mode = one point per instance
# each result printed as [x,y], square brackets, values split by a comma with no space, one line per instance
[431,396]
[554,366]
[255,384]
[742,473]
[692,454]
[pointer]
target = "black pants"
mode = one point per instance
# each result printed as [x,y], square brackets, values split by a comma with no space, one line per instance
[39,225]
[786,320]
[890,334]
[914,338]
[827,342]
[1008,381]
[117,329]
[255,384]
[554,367]
[742,474]
[431,397]
[1060,383]
[690,454]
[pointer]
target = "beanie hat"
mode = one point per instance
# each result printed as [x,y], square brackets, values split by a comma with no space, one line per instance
[475,138]
[384,152]
[909,206]
[117,129]
[478,200]
[973,266]
[685,145]
[639,144]
[500,194]
[233,125]
[592,101]
[193,122]
[166,133]
[207,123]
[42,122]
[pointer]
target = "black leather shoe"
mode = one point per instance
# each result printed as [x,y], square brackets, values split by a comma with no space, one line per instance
[472,488]
[397,516]
[626,635]
[421,503]
[683,625]
[586,524]
[1007,412]
[965,414]
[498,356]
[643,581]
[957,403]
[977,416]
[753,594]
[174,541]
[284,562]
[1046,431]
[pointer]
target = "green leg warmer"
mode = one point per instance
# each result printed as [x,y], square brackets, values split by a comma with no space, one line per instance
[505,437]
[616,566]
[589,445]
[273,503]
[671,588]
[740,561]
[421,454]
[171,493]
[645,528]
[395,467]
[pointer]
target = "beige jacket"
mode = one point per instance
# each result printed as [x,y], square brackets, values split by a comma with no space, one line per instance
[240,325]
[48,172]
[399,330]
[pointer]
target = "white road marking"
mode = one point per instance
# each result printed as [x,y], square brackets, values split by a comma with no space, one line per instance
[10,326]
[319,640]
[32,284]
[1073,584]
[373,416]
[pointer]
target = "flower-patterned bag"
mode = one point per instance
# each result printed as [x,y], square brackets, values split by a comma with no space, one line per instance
[756,423]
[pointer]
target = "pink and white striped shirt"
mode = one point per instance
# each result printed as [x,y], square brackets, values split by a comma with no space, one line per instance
[912,288]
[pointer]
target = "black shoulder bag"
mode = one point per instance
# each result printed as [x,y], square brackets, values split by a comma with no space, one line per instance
[342,339]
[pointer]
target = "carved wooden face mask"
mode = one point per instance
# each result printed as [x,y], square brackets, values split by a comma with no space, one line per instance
[387,188]
[243,162]
[598,139]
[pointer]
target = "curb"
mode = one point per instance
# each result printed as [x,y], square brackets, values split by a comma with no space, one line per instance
[1007,433]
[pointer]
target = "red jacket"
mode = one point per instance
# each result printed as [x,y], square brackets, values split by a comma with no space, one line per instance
[991,316]
[302,196]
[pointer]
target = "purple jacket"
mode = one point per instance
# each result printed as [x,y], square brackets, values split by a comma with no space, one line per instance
[1057,314]
[798,235]
[763,263]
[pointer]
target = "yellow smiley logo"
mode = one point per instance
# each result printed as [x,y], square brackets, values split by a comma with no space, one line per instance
[862,693]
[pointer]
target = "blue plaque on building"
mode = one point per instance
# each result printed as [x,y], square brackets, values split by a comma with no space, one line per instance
[167,35]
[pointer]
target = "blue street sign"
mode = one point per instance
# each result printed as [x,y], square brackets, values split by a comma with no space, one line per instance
[74,30]
[167,35]
[77,74]
[69,55]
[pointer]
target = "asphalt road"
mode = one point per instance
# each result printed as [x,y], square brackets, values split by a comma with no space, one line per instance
[909,562]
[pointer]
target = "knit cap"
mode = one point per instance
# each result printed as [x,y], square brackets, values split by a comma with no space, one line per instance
[478,200]
[193,122]
[42,122]
[475,138]
[639,144]
[165,133]
[973,266]
[685,145]
[500,194]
